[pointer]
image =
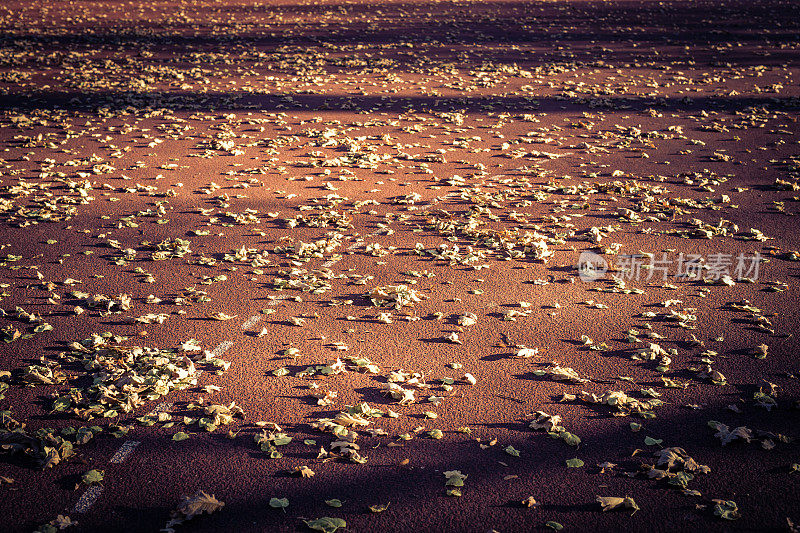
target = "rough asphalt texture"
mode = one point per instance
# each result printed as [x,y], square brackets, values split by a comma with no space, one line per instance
[509,130]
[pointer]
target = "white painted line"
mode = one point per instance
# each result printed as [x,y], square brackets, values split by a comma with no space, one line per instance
[440,199]
[251,321]
[124,451]
[221,349]
[87,499]
[161,407]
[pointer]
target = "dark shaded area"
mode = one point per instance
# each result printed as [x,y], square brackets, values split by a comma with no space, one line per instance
[219,102]
[675,23]
[409,37]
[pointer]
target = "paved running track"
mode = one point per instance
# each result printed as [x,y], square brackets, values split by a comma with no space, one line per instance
[369,216]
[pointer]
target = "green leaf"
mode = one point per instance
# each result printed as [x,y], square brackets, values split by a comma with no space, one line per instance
[279,503]
[650,441]
[436,434]
[281,439]
[118,431]
[570,438]
[146,420]
[726,509]
[333,503]
[681,479]
[555,526]
[207,424]
[92,476]
[326,524]
[455,480]
[575,463]
[566,436]
[62,404]
[510,450]
[179,436]
[85,434]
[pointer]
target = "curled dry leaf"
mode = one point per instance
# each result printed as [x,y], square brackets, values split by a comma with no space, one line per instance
[221,316]
[526,353]
[467,319]
[608,503]
[560,373]
[452,337]
[403,396]
[606,465]
[726,509]
[728,435]
[530,501]
[379,508]
[199,503]
[304,471]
